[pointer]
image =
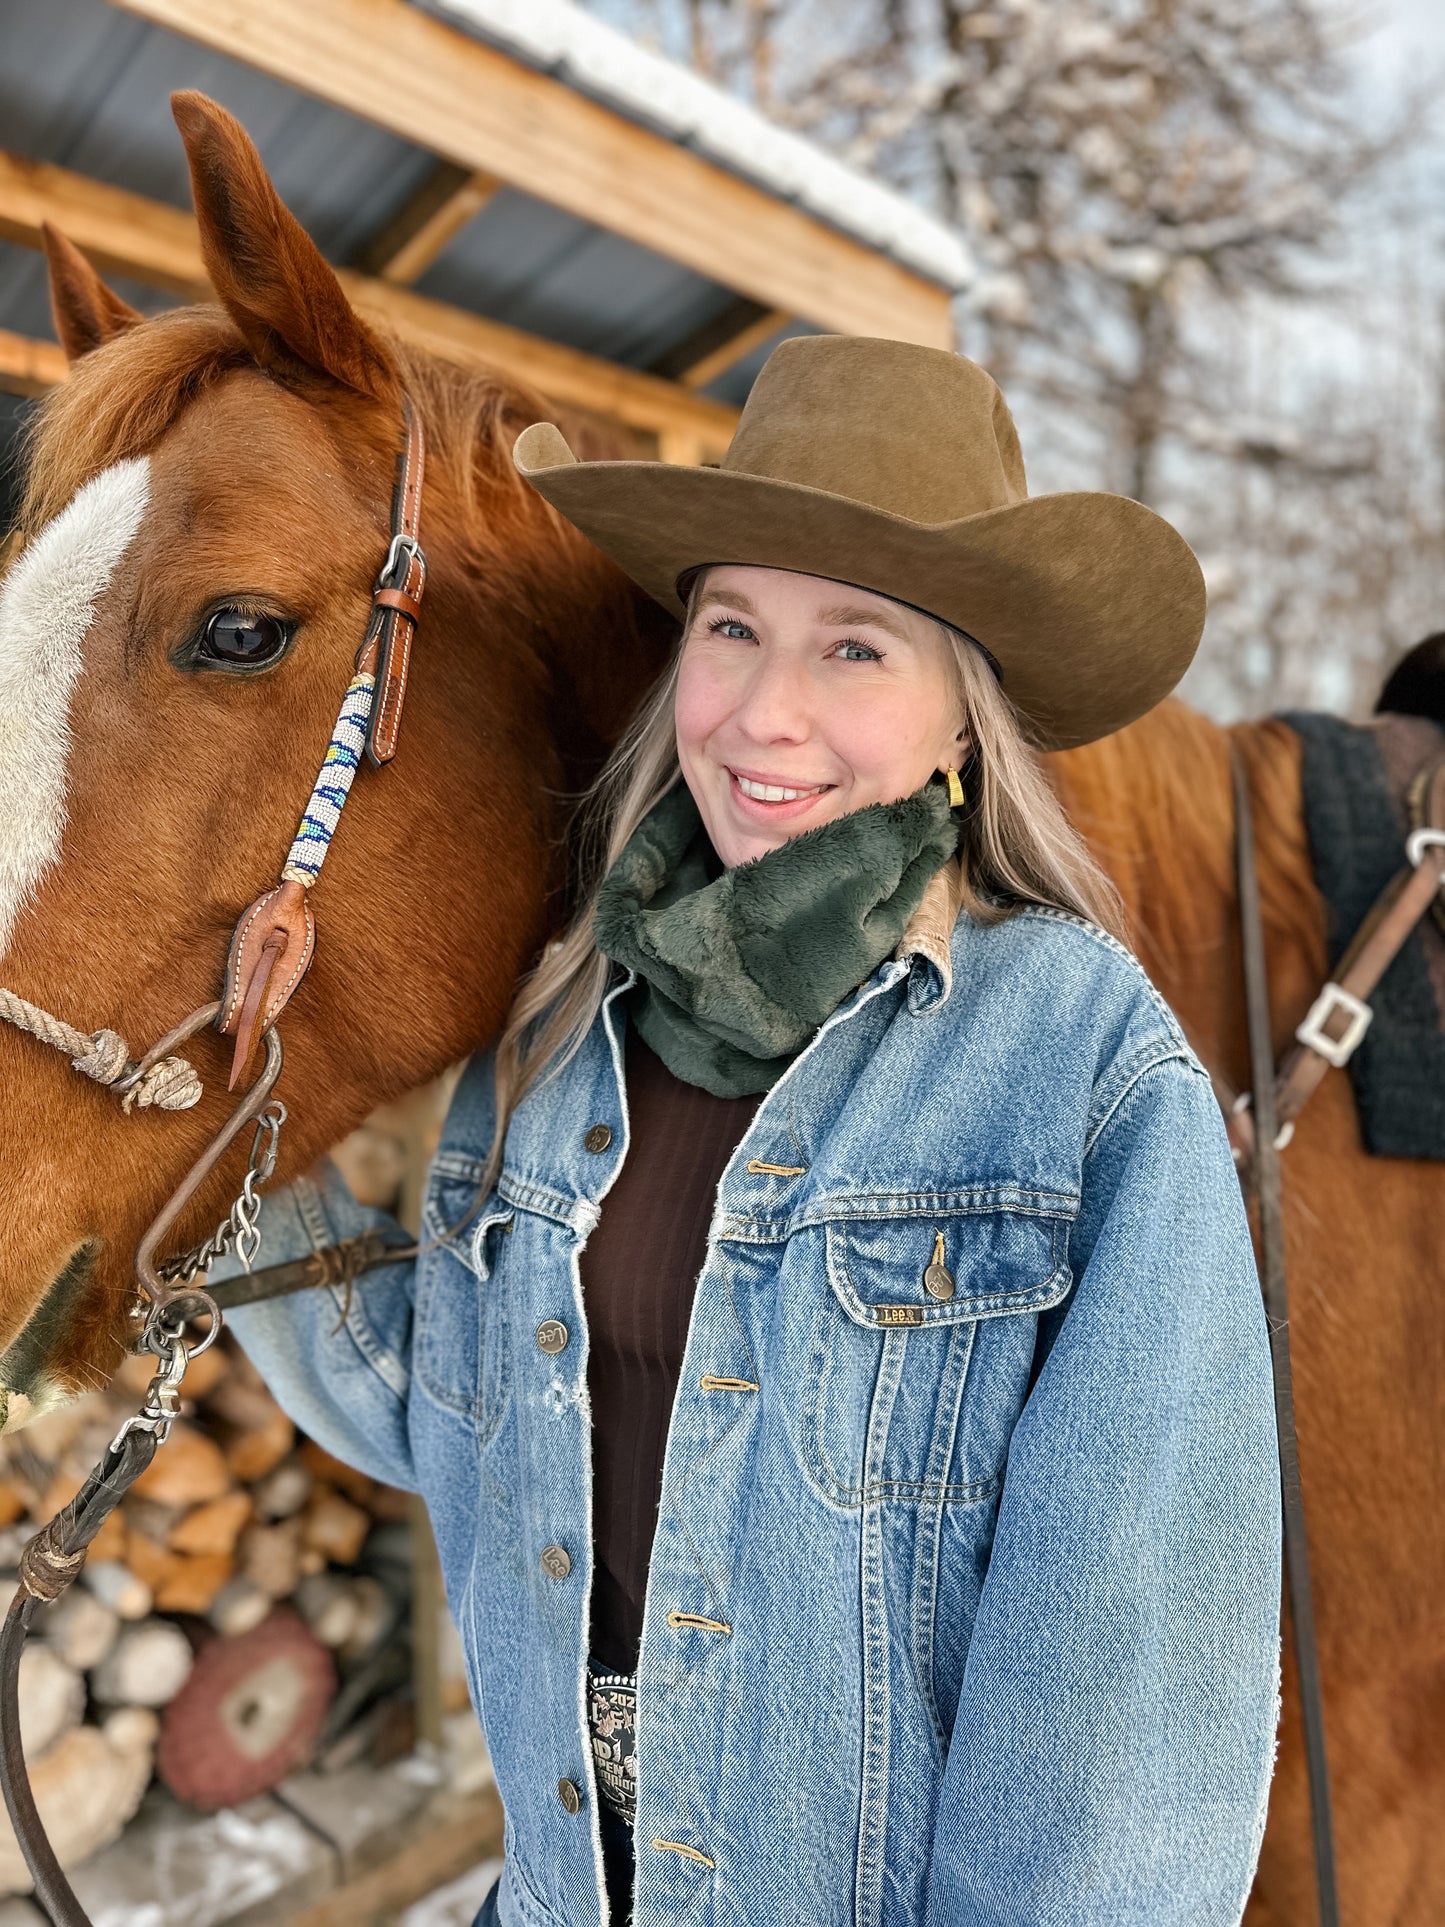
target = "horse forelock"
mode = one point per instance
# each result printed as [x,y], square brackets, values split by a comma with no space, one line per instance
[116,403]
[47,604]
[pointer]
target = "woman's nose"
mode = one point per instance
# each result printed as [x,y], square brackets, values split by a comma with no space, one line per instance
[776,706]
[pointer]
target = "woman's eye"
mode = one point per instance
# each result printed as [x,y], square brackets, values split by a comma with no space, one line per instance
[243,639]
[733,627]
[859,652]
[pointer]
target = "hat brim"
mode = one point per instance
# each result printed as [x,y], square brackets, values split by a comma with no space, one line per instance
[1092,604]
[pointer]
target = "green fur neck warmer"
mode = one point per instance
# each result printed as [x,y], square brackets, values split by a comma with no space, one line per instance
[738,970]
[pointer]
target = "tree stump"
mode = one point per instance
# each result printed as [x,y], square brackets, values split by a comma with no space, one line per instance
[249,1714]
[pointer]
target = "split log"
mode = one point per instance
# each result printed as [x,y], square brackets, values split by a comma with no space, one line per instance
[151,1520]
[373,1162]
[86,1788]
[270,1557]
[150,1561]
[335,1527]
[283,1492]
[52,1698]
[187,1470]
[347,1612]
[249,1714]
[147,1666]
[80,1628]
[213,1527]
[250,1427]
[358,1486]
[193,1581]
[116,1586]
[239,1606]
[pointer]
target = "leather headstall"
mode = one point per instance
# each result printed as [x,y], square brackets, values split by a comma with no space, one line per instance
[275,937]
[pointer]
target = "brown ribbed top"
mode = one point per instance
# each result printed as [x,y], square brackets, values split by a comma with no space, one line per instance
[639,1273]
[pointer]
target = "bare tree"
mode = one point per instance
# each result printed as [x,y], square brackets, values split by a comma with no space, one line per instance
[1156,192]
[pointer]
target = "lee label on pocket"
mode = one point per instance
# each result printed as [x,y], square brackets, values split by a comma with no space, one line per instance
[897,1314]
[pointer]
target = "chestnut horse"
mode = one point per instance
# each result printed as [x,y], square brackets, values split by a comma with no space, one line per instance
[239,459]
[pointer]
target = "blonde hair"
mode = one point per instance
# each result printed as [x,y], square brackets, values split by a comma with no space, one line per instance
[1017,847]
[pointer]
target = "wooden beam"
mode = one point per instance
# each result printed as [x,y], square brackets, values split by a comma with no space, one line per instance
[719,344]
[122,233]
[431,83]
[127,234]
[29,367]
[414,236]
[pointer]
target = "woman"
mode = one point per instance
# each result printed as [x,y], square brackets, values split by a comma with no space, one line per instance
[837,1376]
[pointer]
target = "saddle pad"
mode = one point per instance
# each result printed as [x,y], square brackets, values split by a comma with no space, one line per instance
[1356,784]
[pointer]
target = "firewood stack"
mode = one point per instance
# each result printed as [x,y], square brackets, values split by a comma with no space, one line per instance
[175,1650]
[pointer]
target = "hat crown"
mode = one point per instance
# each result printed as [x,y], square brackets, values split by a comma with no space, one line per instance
[919,432]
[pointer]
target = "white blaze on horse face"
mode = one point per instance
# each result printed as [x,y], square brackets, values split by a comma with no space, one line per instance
[47,604]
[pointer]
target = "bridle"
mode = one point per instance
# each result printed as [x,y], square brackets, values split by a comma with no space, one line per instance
[270,952]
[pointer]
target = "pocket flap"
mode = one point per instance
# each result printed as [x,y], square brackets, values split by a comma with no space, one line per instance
[456,1216]
[909,1271]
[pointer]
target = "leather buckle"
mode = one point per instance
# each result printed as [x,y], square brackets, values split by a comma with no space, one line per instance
[404,550]
[1312,1033]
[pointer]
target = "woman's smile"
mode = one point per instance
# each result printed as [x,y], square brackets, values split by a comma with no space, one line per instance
[770,798]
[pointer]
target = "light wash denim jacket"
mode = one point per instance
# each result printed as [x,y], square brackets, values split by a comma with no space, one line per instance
[961,1610]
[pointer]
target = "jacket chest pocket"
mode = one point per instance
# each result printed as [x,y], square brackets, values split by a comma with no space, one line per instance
[921,1354]
[459,1350]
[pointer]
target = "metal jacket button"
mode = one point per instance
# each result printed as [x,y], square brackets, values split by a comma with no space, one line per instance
[938,1279]
[555,1562]
[568,1794]
[552,1335]
[599,1137]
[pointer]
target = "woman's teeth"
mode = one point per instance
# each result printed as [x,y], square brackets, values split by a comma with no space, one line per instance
[774,792]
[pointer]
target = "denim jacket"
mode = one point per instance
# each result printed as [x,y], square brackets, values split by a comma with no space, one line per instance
[963,1603]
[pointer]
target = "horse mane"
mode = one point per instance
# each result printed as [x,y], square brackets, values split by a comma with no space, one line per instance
[119,401]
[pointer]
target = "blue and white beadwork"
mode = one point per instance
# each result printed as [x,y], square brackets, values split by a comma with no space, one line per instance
[343,756]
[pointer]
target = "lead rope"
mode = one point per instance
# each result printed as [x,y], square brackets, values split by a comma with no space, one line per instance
[104,1056]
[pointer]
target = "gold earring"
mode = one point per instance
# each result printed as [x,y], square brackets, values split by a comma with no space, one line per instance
[955,787]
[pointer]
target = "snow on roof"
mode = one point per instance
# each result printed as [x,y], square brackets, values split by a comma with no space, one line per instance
[558,37]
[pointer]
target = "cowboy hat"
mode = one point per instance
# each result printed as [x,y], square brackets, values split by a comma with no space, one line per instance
[896,468]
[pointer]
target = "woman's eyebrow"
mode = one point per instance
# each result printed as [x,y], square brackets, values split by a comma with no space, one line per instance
[845,617]
[734,598]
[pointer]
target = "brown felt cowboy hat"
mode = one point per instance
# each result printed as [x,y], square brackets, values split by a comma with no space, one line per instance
[897,468]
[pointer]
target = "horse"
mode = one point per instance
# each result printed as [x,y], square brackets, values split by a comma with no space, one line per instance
[1363,1246]
[248,451]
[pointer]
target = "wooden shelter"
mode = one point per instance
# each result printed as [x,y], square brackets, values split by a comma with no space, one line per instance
[510,179]
[500,179]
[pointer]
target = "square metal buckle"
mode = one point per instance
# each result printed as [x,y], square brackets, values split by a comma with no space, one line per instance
[1312,1032]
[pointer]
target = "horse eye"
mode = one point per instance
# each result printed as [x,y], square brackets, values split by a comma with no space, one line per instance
[243,639]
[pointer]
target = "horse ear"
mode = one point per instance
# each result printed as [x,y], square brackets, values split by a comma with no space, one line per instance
[86,313]
[265,268]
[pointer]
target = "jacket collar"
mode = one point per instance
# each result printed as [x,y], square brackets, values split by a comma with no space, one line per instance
[929,934]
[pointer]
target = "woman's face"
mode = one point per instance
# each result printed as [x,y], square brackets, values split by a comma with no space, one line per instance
[800,699]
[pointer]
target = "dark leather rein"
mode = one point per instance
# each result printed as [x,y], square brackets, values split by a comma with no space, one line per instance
[269,955]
